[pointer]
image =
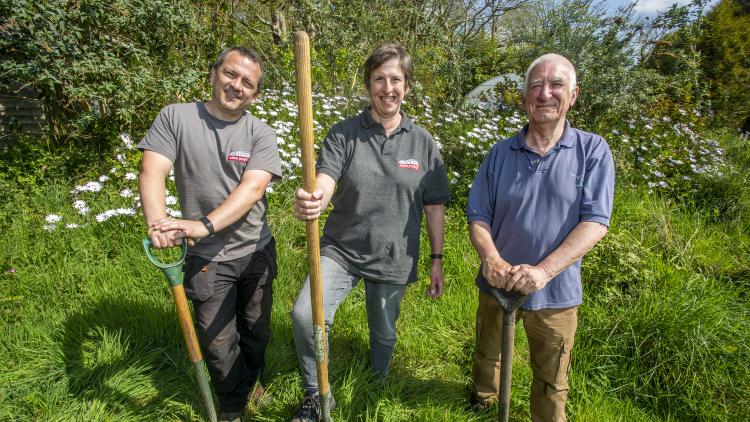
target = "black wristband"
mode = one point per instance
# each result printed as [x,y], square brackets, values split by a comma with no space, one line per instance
[436,256]
[209,225]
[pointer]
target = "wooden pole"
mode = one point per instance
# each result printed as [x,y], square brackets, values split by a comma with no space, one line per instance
[194,350]
[304,104]
[173,273]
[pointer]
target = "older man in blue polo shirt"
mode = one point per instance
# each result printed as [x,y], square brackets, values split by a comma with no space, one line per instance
[540,201]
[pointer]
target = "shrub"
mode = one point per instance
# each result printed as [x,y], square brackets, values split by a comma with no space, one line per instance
[100,67]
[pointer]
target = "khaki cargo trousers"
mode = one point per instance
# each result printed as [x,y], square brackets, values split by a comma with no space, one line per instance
[550,333]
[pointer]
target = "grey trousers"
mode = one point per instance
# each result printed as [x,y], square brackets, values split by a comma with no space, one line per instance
[232,301]
[383,302]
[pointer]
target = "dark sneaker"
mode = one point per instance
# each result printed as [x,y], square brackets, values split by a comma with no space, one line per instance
[230,417]
[309,410]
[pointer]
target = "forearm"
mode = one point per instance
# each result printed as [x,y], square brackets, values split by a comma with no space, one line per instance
[582,239]
[435,217]
[481,239]
[241,200]
[152,186]
[327,185]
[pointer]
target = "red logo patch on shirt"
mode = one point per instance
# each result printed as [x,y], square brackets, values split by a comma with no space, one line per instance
[409,164]
[240,156]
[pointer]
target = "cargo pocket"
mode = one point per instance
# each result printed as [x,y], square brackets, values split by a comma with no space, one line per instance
[550,359]
[199,278]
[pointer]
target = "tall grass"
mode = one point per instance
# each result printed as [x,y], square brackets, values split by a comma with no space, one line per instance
[89,332]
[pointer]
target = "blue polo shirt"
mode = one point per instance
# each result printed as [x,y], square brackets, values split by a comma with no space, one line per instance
[532,203]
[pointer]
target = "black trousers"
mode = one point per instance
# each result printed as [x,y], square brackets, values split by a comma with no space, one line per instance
[232,301]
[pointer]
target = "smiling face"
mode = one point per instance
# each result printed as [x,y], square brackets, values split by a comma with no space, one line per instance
[387,90]
[549,94]
[235,86]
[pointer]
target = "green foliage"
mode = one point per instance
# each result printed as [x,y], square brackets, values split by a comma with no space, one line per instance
[598,45]
[725,49]
[664,328]
[98,66]
[675,57]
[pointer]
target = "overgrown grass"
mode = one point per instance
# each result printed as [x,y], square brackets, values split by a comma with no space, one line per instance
[89,332]
[88,329]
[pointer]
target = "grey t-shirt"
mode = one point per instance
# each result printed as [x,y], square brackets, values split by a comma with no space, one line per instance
[209,157]
[382,185]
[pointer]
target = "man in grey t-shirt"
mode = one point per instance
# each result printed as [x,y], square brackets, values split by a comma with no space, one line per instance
[223,159]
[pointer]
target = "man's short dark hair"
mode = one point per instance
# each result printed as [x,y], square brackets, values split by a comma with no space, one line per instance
[245,52]
[386,52]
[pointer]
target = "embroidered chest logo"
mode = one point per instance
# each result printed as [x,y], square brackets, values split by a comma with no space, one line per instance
[240,156]
[411,164]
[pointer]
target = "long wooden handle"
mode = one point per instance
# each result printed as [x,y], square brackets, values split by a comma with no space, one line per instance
[304,104]
[186,323]
[194,350]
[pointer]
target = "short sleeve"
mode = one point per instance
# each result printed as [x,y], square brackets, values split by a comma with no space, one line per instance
[437,190]
[160,137]
[481,203]
[598,185]
[332,157]
[265,152]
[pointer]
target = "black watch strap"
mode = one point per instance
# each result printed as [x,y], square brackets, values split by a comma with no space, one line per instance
[436,256]
[209,225]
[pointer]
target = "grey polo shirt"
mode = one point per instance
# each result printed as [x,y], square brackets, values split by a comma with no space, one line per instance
[382,186]
[210,156]
[532,203]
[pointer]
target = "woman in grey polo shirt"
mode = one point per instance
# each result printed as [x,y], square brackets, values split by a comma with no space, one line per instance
[380,171]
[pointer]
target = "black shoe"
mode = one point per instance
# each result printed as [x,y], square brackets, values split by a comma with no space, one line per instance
[309,410]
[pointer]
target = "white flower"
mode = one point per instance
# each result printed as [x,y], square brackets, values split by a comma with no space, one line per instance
[174,213]
[171,200]
[72,226]
[81,206]
[103,178]
[126,193]
[88,187]
[53,218]
[49,227]
[130,176]
[126,141]
[106,215]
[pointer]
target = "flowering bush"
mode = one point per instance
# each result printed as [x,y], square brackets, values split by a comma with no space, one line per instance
[666,154]
[662,154]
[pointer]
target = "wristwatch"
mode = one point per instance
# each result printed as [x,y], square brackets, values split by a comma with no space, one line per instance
[209,225]
[436,256]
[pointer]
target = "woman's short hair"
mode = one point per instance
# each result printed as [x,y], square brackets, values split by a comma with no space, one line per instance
[387,52]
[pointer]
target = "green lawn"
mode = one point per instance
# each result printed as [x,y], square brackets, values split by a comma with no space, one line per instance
[89,330]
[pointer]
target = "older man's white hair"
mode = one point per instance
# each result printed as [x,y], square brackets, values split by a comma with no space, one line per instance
[549,58]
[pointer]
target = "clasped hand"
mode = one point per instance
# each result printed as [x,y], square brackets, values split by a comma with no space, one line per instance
[167,232]
[523,278]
